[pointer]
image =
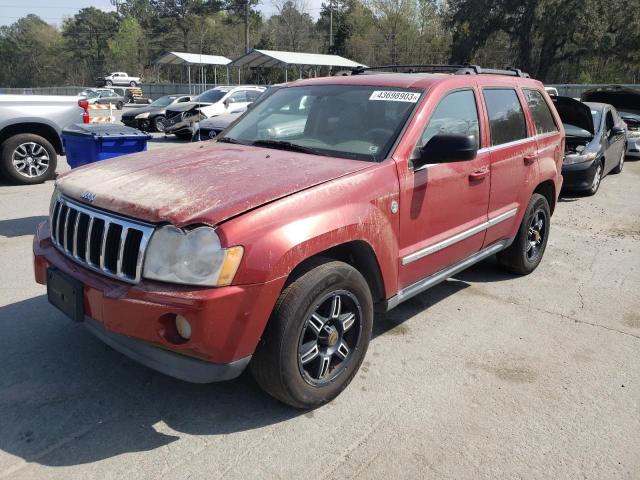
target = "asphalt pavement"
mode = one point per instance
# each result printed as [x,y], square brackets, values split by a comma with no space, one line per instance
[485,376]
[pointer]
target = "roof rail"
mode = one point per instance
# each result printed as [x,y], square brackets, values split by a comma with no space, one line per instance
[463,69]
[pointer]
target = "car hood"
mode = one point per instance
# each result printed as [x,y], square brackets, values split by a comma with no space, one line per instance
[200,183]
[620,97]
[185,106]
[574,113]
[221,121]
[138,110]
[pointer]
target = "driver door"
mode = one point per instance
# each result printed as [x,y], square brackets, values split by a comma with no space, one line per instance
[443,206]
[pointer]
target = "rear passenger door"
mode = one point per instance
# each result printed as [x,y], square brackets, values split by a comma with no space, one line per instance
[513,156]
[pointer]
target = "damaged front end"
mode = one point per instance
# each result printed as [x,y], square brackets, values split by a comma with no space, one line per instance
[182,122]
[579,126]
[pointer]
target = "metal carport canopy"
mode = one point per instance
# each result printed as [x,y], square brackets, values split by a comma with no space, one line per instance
[272,58]
[180,58]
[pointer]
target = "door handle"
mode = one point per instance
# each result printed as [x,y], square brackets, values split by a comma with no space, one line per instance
[478,174]
[529,159]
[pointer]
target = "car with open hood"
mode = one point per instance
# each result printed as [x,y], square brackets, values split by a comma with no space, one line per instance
[627,103]
[595,143]
[271,246]
[181,119]
[151,117]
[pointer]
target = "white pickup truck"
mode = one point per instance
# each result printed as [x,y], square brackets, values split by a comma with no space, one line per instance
[30,134]
[118,78]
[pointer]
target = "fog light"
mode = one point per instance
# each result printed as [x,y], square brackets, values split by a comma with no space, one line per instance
[183,327]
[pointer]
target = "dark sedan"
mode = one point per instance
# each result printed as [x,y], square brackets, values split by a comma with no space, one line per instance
[595,143]
[151,117]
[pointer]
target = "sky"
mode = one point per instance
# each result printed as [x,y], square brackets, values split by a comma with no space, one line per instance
[54,11]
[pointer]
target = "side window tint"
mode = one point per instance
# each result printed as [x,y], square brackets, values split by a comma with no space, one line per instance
[238,97]
[609,120]
[506,119]
[540,112]
[252,95]
[456,113]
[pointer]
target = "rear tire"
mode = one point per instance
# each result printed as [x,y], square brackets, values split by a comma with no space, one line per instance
[133,84]
[526,251]
[15,153]
[317,336]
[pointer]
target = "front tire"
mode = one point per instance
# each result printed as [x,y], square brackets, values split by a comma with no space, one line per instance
[597,179]
[317,336]
[133,84]
[108,83]
[27,159]
[119,105]
[526,251]
[158,123]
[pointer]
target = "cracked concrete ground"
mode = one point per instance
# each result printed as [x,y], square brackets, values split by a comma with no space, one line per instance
[485,376]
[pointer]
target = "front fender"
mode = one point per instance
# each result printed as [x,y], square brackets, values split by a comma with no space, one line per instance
[279,236]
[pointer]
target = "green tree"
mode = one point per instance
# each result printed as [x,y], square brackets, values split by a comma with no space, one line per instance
[30,51]
[124,46]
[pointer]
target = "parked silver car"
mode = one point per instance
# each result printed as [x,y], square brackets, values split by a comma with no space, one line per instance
[30,134]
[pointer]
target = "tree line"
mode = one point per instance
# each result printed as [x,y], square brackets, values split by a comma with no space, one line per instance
[557,41]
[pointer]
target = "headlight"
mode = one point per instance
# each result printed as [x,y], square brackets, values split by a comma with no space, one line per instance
[193,257]
[142,116]
[573,158]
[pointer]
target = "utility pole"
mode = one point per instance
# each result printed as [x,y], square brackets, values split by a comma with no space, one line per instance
[330,26]
[246,26]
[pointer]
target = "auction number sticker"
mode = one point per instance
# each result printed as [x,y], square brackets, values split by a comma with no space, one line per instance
[394,96]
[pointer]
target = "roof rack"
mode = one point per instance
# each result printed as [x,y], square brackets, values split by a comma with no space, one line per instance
[463,69]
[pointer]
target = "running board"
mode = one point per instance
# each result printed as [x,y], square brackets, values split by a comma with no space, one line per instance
[432,280]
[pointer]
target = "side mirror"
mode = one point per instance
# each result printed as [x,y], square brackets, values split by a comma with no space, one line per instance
[615,131]
[446,148]
[227,102]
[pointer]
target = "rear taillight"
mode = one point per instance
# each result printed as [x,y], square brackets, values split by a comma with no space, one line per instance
[85,106]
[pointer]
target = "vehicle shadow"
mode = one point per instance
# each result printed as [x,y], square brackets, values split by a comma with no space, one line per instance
[68,399]
[17,227]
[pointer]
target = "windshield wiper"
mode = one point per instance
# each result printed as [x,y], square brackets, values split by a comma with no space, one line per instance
[229,140]
[294,147]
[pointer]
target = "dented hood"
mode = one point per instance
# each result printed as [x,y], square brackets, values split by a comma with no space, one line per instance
[574,113]
[200,183]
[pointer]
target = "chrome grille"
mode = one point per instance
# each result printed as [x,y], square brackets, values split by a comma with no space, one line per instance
[101,241]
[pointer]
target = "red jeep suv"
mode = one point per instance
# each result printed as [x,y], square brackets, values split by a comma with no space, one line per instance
[272,246]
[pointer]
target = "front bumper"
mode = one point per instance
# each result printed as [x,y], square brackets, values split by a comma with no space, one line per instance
[177,125]
[226,322]
[579,176]
[633,147]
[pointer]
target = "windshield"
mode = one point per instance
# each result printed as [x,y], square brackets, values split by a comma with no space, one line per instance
[163,101]
[348,121]
[210,96]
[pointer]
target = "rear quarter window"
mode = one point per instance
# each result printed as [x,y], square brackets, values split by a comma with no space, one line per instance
[506,118]
[542,117]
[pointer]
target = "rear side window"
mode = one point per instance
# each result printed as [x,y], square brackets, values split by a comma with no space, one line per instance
[542,117]
[456,113]
[506,118]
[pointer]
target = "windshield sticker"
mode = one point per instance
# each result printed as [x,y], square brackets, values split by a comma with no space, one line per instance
[394,96]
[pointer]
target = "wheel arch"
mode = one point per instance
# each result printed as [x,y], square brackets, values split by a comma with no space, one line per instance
[548,190]
[357,253]
[42,129]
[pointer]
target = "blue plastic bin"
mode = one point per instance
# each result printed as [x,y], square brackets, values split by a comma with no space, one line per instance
[92,142]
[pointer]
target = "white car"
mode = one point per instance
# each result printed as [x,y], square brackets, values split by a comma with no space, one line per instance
[118,78]
[217,101]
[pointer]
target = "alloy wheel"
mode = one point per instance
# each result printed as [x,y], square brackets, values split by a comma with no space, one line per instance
[30,159]
[596,178]
[536,234]
[329,337]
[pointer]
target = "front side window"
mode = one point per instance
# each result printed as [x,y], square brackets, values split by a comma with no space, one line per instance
[542,117]
[348,121]
[238,97]
[456,113]
[210,96]
[609,121]
[506,118]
